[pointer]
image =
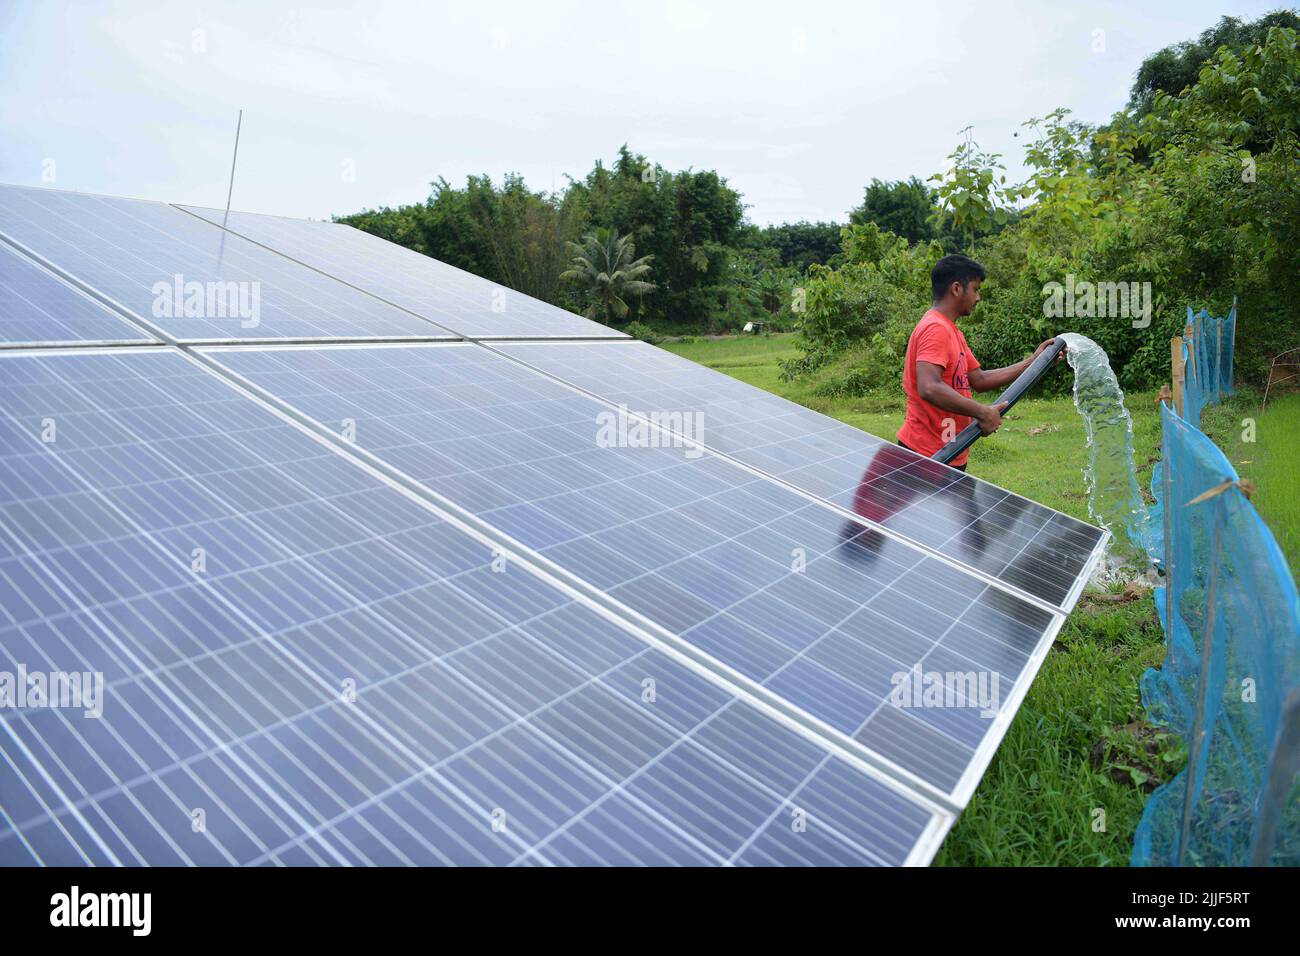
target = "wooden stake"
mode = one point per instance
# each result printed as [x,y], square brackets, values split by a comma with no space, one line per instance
[1167,480]
[1218,358]
[1177,371]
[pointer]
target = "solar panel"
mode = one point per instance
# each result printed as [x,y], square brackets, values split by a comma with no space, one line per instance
[304,664]
[458,300]
[315,650]
[1023,544]
[783,591]
[193,281]
[37,306]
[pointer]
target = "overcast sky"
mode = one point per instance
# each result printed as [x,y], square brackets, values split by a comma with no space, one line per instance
[348,105]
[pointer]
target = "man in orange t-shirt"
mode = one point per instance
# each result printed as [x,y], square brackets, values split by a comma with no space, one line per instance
[940,370]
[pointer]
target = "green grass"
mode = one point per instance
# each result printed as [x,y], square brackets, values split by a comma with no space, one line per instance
[1271,461]
[751,358]
[1078,743]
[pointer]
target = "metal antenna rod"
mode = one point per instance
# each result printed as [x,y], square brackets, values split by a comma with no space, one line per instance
[221,249]
[230,192]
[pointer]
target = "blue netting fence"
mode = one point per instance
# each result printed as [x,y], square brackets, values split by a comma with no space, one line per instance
[1230,682]
[1207,352]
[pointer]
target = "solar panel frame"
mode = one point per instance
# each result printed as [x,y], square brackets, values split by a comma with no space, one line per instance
[959,791]
[938,820]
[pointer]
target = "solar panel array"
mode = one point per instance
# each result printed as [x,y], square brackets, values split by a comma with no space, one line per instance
[704,549]
[227,688]
[390,581]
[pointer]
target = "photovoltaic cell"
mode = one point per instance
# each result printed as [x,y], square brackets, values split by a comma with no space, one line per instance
[1022,543]
[785,591]
[318,669]
[471,306]
[37,306]
[139,254]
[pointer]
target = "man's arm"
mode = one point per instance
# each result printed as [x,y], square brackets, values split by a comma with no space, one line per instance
[933,389]
[986,381]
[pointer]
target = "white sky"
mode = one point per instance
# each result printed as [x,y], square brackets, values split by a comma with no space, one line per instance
[797,104]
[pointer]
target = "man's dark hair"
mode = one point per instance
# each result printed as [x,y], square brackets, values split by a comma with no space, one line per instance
[950,269]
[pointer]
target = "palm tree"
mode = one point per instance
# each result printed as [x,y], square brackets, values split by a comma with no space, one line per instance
[605,266]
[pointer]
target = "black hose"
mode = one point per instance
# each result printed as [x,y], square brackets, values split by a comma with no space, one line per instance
[1023,383]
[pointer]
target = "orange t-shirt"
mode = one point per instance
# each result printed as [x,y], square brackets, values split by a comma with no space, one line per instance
[936,339]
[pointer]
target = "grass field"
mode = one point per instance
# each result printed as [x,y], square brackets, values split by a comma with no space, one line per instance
[1079,742]
[1270,459]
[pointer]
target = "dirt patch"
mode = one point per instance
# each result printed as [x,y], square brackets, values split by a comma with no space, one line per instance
[1131,754]
[1133,591]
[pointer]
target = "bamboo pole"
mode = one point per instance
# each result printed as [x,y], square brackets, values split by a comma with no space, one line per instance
[1167,481]
[1232,339]
[1218,358]
[1177,371]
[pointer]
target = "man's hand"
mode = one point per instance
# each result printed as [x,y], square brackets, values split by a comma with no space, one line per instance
[991,419]
[1043,348]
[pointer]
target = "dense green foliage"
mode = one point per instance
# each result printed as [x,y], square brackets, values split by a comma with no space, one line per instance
[918,213]
[906,208]
[797,245]
[688,223]
[1177,67]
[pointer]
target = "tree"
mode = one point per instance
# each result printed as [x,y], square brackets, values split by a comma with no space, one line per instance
[968,193]
[509,234]
[526,234]
[606,269]
[1177,67]
[688,221]
[906,208]
[796,244]
[400,225]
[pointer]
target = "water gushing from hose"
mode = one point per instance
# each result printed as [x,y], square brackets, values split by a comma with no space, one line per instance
[1111,476]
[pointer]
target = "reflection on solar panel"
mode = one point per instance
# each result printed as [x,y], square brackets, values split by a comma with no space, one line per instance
[37,306]
[451,602]
[194,281]
[1035,549]
[458,300]
[304,665]
[784,591]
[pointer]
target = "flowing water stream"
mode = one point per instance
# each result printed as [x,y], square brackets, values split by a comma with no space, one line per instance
[1114,499]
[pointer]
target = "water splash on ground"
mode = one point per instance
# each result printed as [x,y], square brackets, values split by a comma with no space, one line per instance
[1111,476]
